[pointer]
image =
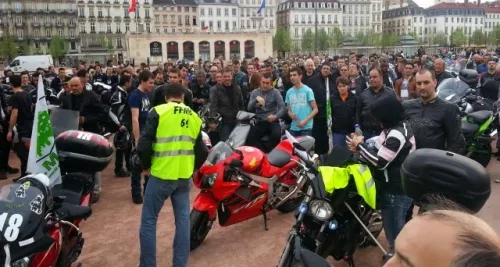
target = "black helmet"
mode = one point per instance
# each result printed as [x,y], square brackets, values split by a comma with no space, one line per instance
[470,77]
[135,163]
[122,140]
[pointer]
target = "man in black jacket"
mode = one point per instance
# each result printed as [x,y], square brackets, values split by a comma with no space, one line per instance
[174,76]
[200,89]
[121,109]
[436,123]
[91,113]
[441,73]
[370,126]
[322,94]
[226,99]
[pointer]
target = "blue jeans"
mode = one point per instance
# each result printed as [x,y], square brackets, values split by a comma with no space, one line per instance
[156,193]
[339,140]
[394,210]
[307,132]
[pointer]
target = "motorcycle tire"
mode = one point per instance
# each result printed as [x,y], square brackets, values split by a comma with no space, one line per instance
[200,225]
[482,155]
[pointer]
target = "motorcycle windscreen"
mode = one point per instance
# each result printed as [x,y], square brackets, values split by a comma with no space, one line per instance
[22,211]
[452,90]
[219,152]
[64,120]
[239,135]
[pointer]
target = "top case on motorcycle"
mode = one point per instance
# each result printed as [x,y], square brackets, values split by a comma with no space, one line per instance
[437,172]
[81,151]
[479,117]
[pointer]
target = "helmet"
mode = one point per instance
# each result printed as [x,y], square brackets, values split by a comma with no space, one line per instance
[41,182]
[122,140]
[135,163]
[470,77]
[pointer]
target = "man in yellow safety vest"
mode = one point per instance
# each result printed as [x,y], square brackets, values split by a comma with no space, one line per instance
[170,149]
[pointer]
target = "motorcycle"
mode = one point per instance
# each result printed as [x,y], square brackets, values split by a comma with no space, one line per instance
[238,184]
[478,119]
[334,222]
[43,223]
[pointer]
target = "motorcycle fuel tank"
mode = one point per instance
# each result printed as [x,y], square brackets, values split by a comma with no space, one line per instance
[252,158]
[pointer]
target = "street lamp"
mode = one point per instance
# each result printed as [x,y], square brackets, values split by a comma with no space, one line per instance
[316,27]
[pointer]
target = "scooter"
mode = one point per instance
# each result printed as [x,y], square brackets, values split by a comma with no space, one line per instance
[238,184]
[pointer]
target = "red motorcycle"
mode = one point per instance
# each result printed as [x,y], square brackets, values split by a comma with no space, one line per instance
[239,184]
[39,225]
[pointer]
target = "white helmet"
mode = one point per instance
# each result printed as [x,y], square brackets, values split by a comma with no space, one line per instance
[41,177]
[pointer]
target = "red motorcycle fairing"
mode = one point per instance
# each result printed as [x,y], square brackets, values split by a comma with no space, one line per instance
[238,207]
[49,257]
[204,201]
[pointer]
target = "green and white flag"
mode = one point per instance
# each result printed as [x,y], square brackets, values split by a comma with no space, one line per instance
[43,154]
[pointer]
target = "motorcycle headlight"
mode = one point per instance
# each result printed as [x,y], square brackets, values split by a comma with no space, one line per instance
[24,262]
[321,210]
[208,181]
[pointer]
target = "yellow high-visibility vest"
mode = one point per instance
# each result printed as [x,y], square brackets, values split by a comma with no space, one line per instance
[173,154]
[338,178]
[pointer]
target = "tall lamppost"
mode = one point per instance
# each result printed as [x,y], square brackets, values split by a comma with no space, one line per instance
[316,27]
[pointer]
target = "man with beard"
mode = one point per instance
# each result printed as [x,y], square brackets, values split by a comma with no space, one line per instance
[441,74]
[323,87]
[436,123]
[174,76]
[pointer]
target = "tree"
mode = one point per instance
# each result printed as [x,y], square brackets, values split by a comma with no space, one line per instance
[478,37]
[307,43]
[336,37]
[107,43]
[323,40]
[373,39]
[458,37]
[282,42]
[8,47]
[361,38]
[415,37]
[389,39]
[494,36]
[58,48]
[440,39]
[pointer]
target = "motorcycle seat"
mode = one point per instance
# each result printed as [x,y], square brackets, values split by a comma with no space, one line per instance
[278,157]
[469,128]
[71,212]
[479,117]
[70,196]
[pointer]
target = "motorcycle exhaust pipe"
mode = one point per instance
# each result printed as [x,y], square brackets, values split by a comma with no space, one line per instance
[300,184]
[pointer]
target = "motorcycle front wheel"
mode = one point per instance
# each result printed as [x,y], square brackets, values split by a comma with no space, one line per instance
[201,225]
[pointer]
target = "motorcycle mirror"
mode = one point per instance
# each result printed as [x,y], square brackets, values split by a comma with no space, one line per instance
[311,259]
[236,163]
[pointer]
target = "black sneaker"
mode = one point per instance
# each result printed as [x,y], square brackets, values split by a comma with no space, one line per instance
[11,170]
[137,199]
[122,173]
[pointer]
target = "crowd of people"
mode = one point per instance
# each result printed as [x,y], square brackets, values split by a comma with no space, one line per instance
[392,99]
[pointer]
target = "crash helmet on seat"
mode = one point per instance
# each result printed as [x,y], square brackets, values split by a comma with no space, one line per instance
[122,140]
[41,182]
[470,77]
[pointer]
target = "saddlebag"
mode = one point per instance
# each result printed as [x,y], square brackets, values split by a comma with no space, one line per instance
[81,151]
[458,178]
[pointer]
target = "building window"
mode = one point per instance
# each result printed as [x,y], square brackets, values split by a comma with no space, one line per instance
[179,20]
[296,32]
[108,27]
[179,9]
[81,11]
[218,11]
[202,12]
[234,25]
[92,27]
[82,27]
[186,9]
[242,23]
[148,28]
[125,12]
[99,12]
[48,33]
[157,18]
[219,25]
[127,27]
[234,11]
[172,19]
[146,12]
[119,42]
[226,11]
[186,20]
[60,32]
[91,11]
[210,12]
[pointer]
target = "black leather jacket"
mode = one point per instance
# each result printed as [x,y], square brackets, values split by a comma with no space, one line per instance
[436,124]
[363,113]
